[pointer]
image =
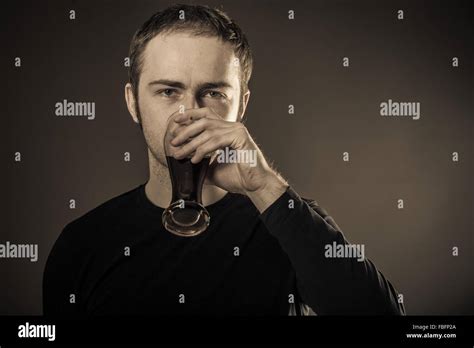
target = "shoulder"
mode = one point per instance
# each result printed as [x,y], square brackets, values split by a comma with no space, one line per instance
[80,239]
[111,212]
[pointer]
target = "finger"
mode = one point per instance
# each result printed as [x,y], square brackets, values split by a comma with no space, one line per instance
[196,114]
[213,144]
[192,130]
[190,115]
[190,147]
[174,130]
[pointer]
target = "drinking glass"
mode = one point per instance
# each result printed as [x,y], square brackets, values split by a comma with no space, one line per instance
[185,216]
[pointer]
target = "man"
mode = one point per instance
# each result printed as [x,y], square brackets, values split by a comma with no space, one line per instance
[265,251]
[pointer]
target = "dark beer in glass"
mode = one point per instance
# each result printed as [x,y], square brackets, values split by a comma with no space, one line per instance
[186,216]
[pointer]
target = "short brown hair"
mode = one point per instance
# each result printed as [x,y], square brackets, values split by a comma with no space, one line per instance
[200,21]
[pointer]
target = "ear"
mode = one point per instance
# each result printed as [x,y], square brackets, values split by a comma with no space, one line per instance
[245,101]
[131,103]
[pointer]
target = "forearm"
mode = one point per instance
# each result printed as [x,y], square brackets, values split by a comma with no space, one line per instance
[328,285]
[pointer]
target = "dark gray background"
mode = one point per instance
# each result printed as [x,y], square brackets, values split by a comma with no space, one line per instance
[297,62]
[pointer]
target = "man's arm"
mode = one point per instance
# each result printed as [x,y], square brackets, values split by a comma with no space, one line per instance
[327,285]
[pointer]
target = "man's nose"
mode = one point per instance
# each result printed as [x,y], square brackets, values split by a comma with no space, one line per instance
[191,101]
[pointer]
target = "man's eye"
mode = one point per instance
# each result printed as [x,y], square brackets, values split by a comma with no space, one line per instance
[168,92]
[215,94]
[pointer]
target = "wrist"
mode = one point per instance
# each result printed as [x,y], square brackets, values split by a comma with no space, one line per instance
[272,188]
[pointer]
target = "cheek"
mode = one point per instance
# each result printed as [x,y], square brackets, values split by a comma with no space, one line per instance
[155,114]
[152,113]
[228,110]
[154,119]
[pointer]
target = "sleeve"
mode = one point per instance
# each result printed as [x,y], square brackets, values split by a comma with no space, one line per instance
[329,285]
[60,296]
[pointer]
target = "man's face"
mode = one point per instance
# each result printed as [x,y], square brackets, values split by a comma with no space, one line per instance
[182,70]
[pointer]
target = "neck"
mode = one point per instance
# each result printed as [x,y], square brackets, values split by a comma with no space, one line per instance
[159,191]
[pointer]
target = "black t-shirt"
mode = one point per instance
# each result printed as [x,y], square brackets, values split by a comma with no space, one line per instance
[119,260]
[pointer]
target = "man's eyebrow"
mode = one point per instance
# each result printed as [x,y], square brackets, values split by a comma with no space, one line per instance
[177,84]
[218,84]
[169,83]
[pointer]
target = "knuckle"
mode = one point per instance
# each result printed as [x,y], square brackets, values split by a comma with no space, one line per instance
[199,152]
[218,139]
[201,122]
[185,148]
[210,133]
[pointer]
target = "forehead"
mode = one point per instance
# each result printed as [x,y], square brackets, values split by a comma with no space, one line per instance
[185,57]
